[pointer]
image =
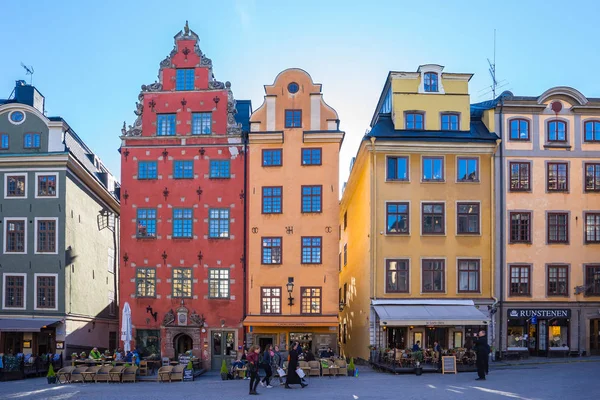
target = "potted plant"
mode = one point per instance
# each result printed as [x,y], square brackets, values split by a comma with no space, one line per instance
[224,370]
[51,376]
[74,357]
[418,356]
[351,367]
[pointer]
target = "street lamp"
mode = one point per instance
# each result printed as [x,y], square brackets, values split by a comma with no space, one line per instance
[290,289]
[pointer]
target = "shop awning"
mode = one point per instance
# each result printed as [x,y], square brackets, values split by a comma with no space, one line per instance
[261,320]
[430,315]
[24,324]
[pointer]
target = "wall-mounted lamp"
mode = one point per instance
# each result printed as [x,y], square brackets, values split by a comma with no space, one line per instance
[216,99]
[290,289]
[153,313]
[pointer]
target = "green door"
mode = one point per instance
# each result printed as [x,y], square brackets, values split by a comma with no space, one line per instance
[222,348]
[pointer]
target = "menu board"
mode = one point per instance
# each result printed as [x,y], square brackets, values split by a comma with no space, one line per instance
[448,365]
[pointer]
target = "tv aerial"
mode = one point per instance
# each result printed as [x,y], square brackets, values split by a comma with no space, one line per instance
[28,71]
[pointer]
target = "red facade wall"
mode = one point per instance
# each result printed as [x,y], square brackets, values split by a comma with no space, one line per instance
[200,194]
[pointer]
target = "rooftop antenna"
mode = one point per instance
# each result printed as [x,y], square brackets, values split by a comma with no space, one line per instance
[28,71]
[492,70]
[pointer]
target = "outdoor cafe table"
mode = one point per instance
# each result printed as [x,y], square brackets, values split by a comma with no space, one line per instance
[88,376]
[333,370]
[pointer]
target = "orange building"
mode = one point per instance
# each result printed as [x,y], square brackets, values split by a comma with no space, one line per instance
[292,275]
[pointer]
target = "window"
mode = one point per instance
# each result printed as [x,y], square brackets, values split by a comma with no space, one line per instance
[311,250]
[592,131]
[4,141]
[557,131]
[311,156]
[111,260]
[46,236]
[15,185]
[182,223]
[397,217]
[468,170]
[146,223]
[293,87]
[397,168]
[433,169]
[14,291]
[147,170]
[16,117]
[182,282]
[592,280]
[592,177]
[396,276]
[271,250]
[520,179]
[450,122]
[15,236]
[558,280]
[219,168]
[293,118]
[311,199]
[185,79]
[32,141]
[557,177]
[345,293]
[558,228]
[112,307]
[433,276]
[46,185]
[431,82]
[592,227]
[519,129]
[218,283]
[272,200]
[45,291]
[218,223]
[433,219]
[414,121]
[145,282]
[201,123]
[345,220]
[183,169]
[165,124]
[520,227]
[272,158]
[345,254]
[468,276]
[270,300]
[519,280]
[467,215]
[310,300]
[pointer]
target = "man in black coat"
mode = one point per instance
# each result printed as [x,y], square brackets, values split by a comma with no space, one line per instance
[483,350]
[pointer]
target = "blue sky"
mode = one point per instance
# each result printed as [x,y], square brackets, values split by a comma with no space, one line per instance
[90,58]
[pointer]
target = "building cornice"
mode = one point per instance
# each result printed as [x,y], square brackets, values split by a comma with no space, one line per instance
[323,136]
[29,160]
[266,137]
[392,147]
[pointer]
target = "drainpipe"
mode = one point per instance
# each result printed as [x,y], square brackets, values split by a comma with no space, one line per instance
[245,263]
[502,229]
[493,246]
[374,217]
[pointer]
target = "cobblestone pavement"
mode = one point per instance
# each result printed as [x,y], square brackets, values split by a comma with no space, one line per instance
[578,381]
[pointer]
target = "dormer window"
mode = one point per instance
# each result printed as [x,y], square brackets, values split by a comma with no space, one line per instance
[431,82]
[185,79]
[450,122]
[414,121]
[557,131]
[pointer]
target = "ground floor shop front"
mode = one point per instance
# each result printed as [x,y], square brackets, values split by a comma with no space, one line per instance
[550,329]
[313,334]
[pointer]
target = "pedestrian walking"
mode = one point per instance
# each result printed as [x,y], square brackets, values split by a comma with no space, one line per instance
[292,375]
[267,361]
[253,368]
[482,350]
[278,364]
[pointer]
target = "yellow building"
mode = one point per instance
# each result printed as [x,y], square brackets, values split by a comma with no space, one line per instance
[549,222]
[292,275]
[416,218]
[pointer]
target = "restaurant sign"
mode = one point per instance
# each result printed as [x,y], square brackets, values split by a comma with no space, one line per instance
[539,313]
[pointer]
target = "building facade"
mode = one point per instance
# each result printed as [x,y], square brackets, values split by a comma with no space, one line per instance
[183,196]
[59,232]
[293,208]
[416,216]
[548,213]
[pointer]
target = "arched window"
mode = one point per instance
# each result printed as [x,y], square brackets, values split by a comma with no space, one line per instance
[592,131]
[519,129]
[557,131]
[431,82]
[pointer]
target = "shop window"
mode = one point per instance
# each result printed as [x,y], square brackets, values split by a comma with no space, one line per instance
[458,340]
[147,342]
[516,334]
[557,177]
[520,178]
[304,338]
[397,217]
[112,340]
[558,336]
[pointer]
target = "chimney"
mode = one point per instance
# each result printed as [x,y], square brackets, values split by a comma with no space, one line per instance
[27,94]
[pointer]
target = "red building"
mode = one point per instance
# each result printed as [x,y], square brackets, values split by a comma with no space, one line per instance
[182,222]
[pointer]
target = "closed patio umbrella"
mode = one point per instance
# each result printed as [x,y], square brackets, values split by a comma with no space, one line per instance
[126,328]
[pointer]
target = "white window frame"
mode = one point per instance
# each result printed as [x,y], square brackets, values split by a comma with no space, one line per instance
[111,261]
[35,237]
[6,175]
[4,275]
[35,292]
[37,174]
[5,235]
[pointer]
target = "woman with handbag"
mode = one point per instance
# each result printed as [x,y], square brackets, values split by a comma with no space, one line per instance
[278,364]
[292,376]
[253,368]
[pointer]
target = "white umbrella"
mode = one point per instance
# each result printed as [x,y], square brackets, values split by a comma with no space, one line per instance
[126,328]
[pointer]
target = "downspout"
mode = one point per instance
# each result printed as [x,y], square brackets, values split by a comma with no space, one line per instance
[493,242]
[245,257]
[373,189]
[502,228]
